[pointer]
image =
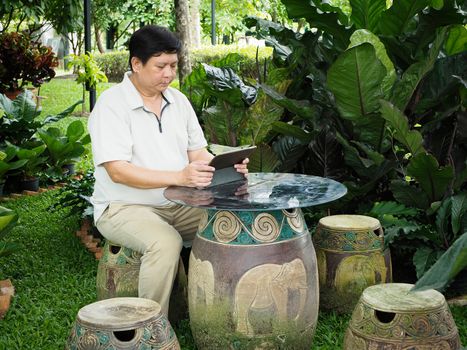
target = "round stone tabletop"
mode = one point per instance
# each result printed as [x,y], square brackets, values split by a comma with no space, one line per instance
[262,191]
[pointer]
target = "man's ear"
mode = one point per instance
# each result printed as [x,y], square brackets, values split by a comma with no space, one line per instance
[136,64]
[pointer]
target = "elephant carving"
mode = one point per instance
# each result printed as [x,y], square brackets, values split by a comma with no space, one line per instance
[200,281]
[269,286]
[357,272]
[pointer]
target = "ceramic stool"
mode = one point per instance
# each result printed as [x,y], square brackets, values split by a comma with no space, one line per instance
[351,256]
[118,274]
[122,323]
[390,317]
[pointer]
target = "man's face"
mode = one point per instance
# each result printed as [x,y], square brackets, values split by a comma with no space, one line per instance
[158,72]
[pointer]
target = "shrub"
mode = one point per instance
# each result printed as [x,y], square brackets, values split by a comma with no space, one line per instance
[24,61]
[113,64]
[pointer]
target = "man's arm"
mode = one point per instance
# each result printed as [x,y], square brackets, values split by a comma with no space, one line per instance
[200,154]
[195,174]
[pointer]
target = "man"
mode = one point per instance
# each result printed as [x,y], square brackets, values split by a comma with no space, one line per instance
[145,137]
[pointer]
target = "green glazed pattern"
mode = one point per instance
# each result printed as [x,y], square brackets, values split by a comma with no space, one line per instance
[350,241]
[251,227]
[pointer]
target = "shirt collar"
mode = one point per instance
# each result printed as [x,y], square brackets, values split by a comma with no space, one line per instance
[133,97]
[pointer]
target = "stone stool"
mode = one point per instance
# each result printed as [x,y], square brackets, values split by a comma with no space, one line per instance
[390,317]
[122,323]
[118,274]
[351,256]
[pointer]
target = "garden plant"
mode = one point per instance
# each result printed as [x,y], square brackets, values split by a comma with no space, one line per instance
[376,101]
[370,93]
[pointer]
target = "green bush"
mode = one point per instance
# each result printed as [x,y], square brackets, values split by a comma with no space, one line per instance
[115,64]
[248,67]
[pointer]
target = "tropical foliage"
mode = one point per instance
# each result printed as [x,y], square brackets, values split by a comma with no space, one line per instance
[377,100]
[233,112]
[22,152]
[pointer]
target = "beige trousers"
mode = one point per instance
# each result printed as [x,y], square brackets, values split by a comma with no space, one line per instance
[157,233]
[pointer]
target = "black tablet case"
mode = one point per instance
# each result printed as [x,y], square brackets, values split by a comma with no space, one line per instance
[224,164]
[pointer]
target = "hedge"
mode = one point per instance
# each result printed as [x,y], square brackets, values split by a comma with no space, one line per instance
[115,64]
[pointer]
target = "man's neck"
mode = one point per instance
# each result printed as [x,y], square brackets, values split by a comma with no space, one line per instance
[145,94]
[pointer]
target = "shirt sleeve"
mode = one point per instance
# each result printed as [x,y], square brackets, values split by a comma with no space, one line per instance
[110,132]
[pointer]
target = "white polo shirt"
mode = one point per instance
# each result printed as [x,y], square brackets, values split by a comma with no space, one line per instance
[121,128]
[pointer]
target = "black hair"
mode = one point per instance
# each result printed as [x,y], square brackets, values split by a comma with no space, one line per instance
[152,40]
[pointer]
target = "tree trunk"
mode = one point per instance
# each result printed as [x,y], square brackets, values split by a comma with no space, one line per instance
[183,30]
[195,24]
[97,33]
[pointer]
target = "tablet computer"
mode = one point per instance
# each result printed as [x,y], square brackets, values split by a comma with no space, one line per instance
[224,164]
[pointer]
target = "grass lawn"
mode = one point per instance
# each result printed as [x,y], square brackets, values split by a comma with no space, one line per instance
[62,92]
[54,276]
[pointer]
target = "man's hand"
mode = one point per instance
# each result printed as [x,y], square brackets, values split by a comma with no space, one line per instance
[242,167]
[197,174]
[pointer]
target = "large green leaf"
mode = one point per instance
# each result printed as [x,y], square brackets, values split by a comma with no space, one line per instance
[394,228]
[453,261]
[398,17]
[301,108]
[6,104]
[328,22]
[260,117]
[433,179]
[442,83]
[292,130]
[25,107]
[325,156]
[366,14]
[409,195]
[459,208]
[364,36]
[423,258]
[60,147]
[393,208]
[5,167]
[404,89]
[75,130]
[289,150]
[225,84]
[411,139]
[8,219]
[443,216]
[223,123]
[263,159]
[355,79]
[429,21]
[65,113]
[456,41]
[369,166]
